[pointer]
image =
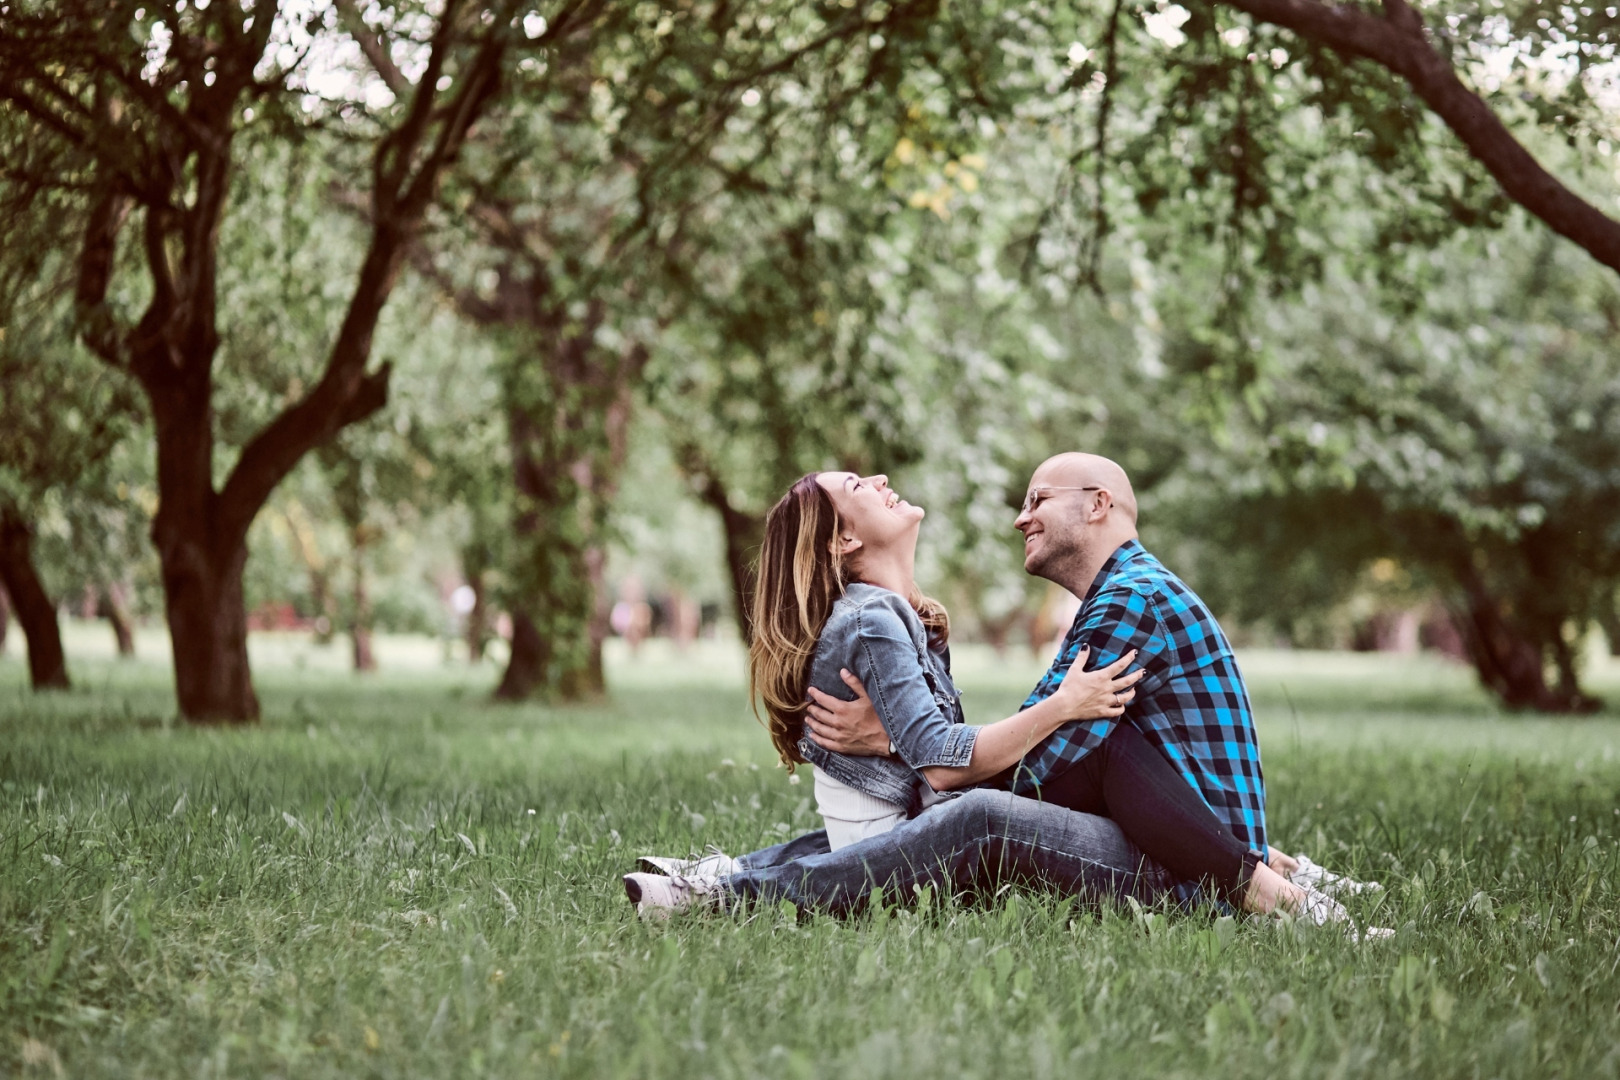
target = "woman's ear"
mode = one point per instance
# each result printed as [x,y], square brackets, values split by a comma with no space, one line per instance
[847,545]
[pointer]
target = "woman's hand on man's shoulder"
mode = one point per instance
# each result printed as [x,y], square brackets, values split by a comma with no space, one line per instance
[1094,695]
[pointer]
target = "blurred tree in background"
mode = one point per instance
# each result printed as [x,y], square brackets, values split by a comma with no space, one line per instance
[152,102]
[1469,440]
[64,493]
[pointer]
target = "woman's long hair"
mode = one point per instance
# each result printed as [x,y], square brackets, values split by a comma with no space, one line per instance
[801,576]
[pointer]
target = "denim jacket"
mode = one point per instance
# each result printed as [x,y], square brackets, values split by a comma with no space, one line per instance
[875,634]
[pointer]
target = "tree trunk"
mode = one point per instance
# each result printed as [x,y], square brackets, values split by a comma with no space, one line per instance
[320,577]
[999,629]
[477,556]
[568,420]
[743,532]
[111,605]
[535,667]
[1608,619]
[208,630]
[320,598]
[527,667]
[478,618]
[47,666]
[360,625]
[599,623]
[1512,656]
[5,617]
[554,613]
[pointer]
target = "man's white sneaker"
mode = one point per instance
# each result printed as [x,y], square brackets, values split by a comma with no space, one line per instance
[1320,909]
[1309,875]
[658,897]
[715,864]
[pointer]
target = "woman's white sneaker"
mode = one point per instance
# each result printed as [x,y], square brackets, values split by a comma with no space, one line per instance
[715,864]
[658,897]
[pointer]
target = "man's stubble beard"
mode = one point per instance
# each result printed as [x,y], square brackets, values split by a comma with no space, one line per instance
[1059,560]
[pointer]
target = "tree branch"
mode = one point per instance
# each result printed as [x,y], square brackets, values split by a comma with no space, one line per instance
[1399,43]
[338,400]
[392,164]
[101,330]
[374,46]
[478,84]
[1099,210]
[346,393]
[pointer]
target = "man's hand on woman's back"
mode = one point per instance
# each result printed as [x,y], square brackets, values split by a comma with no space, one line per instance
[847,727]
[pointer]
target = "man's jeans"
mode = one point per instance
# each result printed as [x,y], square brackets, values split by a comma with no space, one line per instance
[976,842]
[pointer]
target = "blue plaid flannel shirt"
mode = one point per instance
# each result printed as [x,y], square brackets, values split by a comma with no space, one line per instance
[1191,704]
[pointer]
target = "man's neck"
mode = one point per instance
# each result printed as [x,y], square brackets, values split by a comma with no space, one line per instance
[1085,572]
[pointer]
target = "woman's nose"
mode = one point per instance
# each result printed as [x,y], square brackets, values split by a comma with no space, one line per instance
[879,481]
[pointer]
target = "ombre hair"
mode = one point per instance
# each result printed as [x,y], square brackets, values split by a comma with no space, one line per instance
[801,576]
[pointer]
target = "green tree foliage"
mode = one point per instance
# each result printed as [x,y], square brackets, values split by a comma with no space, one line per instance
[791,361]
[1469,440]
[667,176]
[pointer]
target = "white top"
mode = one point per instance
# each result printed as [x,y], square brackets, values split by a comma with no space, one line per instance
[851,815]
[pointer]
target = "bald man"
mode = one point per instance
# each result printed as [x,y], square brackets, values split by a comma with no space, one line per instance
[1079,526]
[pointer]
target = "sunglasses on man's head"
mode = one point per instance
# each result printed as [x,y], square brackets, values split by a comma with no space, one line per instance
[1038,495]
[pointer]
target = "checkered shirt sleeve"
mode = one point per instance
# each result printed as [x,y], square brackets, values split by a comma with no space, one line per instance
[1191,703]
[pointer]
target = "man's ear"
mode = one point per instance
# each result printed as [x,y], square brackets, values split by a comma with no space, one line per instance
[1102,502]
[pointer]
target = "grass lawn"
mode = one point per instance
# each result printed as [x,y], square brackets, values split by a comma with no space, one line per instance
[391,876]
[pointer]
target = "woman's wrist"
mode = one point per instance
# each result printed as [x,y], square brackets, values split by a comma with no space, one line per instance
[1053,716]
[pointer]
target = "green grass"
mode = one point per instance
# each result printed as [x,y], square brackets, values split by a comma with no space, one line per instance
[392,877]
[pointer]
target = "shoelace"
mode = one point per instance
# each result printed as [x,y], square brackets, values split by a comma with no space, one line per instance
[1313,875]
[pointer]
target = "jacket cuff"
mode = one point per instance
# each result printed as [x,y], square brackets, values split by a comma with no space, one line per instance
[957,751]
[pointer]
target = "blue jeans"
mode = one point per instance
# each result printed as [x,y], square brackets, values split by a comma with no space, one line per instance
[977,842]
